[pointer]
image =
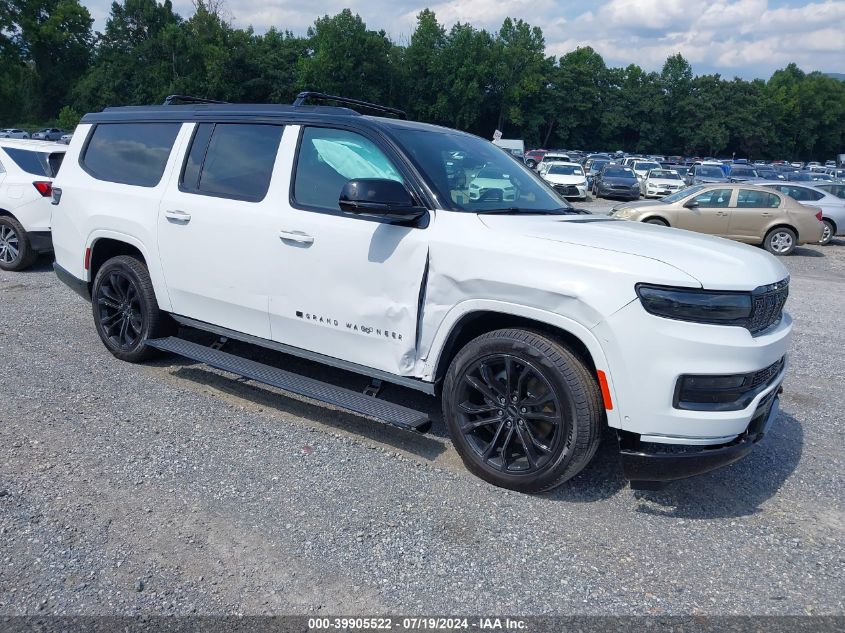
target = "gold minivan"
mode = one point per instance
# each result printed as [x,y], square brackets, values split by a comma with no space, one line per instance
[741,212]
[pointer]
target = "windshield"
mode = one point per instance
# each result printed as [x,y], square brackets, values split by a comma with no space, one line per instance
[468,173]
[618,172]
[710,172]
[566,170]
[596,165]
[683,193]
[644,166]
[665,174]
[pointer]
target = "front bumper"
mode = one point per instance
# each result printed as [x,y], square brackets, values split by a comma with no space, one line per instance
[649,466]
[571,191]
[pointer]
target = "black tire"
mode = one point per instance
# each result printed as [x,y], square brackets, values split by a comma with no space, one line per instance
[780,241]
[829,232]
[16,252]
[657,221]
[558,412]
[126,313]
[531,163]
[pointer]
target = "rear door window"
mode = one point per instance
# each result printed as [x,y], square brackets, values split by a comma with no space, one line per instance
[749,198]
[231,160]
[130,153]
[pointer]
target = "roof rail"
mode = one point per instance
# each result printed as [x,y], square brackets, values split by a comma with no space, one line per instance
[302,97]
[173,99]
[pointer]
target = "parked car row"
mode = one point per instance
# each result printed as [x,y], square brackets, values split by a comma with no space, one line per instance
[46,134]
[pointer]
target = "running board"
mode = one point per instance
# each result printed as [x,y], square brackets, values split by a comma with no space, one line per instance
[353,401]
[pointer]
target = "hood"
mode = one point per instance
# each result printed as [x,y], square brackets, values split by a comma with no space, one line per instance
[638,203]
[560,179]
[717,264]
[666,181]
[620,180]
[707,180]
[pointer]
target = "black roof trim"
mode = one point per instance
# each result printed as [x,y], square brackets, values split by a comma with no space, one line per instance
[302,97]
[172,99]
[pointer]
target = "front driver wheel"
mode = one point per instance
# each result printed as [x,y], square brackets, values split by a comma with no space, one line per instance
[523,411]
[126,312]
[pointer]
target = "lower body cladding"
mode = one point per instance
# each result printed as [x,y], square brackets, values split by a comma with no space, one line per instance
[671,427]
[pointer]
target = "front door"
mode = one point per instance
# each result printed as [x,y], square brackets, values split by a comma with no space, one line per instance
[710,212]
[218,223]
[348,287]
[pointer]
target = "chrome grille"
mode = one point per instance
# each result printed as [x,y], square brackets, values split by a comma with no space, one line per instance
[767,306]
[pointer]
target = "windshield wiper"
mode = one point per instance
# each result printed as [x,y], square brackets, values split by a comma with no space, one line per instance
[524,211]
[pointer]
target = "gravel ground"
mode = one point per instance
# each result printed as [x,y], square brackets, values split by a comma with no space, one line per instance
[172,488]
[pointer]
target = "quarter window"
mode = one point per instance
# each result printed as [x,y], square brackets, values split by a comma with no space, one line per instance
[329,158]
[748,198]
[130,153]
[232,160]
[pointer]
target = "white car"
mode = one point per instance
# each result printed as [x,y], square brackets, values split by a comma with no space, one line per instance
[492,183]
[27,169]
[641,169]
[661,182]
[345,240]
[12,132]
[568,179]
[66,139]
[833,207]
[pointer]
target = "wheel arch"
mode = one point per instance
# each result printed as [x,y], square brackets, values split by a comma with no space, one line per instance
[477,320]
[781,225]
[104,246]
[654,216]
[7,214]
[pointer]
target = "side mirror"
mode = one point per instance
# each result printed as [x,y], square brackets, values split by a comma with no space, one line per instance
[692,204]
[379,197]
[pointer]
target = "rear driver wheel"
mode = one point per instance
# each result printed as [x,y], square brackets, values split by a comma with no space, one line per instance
[126,312]
[523,411]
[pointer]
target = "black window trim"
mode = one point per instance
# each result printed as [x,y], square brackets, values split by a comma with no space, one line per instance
[93,130]
[393,154]
[214,123]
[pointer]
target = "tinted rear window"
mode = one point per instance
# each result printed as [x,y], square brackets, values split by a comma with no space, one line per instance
[130,153]
[36,163]
[232,160]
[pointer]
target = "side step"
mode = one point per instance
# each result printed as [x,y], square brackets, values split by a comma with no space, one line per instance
[353,401]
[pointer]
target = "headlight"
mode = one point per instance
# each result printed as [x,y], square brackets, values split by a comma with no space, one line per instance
[699,306]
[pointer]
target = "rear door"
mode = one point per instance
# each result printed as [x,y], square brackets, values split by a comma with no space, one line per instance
[218,225]
[712,215]
[752,213]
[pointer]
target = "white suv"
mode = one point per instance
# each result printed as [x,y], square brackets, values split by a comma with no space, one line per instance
[27,169]
[355,241]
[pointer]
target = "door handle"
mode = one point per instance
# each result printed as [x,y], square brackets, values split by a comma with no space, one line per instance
[176,215]
[766,214]
[296,236]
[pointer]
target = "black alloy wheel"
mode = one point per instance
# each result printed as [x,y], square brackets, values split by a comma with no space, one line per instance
[509,414]
[119,309]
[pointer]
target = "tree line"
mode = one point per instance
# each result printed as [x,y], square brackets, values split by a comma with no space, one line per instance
[53,67]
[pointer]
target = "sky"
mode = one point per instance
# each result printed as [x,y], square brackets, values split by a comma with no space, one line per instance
[744,38]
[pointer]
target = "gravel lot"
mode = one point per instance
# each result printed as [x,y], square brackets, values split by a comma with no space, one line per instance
[172,488]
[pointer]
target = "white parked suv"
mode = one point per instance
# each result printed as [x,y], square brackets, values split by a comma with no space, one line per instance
[346,239]
[27,169]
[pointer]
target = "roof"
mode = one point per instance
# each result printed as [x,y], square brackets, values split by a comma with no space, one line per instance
[240,111]
[44,146]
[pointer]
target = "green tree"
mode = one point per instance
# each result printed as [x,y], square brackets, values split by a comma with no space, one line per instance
[54,39]
[345,58]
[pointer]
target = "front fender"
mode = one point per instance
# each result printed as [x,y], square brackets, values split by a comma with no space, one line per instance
[428,365]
